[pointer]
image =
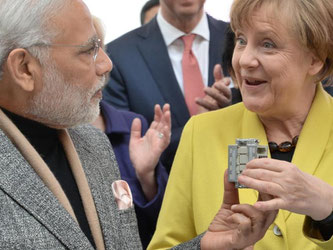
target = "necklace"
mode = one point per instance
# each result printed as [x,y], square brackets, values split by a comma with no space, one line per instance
[286,146]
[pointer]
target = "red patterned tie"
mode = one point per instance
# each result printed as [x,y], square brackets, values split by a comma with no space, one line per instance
[193,83]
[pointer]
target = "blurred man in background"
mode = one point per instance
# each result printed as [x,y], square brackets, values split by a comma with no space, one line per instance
[152,66]
[149,11]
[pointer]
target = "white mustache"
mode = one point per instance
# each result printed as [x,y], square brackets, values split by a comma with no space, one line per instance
[100,85]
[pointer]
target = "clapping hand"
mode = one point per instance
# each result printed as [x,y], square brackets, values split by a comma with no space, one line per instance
[145,151]
[219,95]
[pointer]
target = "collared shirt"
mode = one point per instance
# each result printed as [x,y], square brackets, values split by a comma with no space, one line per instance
[172,38]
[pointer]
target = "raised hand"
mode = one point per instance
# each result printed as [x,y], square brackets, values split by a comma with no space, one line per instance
[145,151]
[219,95]
[236,226]
[292,189]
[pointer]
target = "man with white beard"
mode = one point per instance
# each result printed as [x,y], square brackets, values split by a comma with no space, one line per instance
[59,181]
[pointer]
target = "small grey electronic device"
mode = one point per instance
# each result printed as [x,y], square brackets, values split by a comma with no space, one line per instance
[241,153]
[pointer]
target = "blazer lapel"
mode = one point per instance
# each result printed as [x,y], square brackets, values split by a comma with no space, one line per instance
[104,204]
[315,132]
[154,51]
[101,171]
[215,46]
[22,184]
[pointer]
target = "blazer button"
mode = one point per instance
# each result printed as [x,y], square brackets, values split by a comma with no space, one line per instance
[277,231]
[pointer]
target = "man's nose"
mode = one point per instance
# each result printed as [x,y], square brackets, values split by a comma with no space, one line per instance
[103,63]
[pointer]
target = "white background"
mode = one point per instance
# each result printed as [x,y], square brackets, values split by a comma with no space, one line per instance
[121,16]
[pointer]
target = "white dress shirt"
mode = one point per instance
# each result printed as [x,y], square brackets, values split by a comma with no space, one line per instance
[172,38]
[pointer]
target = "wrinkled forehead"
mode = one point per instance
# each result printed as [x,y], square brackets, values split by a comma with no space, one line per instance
[74,23]
[242,12]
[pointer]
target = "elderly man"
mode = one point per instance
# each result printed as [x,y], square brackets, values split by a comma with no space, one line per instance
[57,178]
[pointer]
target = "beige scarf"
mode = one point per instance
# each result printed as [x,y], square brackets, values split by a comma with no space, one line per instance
[44,172]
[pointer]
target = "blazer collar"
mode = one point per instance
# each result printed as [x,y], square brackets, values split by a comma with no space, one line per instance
[155,54]
[319,120]
[154,51]
[315,132]
[217,30]
[101,170]
[21,183]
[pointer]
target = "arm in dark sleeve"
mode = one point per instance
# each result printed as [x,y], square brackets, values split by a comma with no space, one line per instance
[325,227]
[319,232]
[147,211]
[161,176]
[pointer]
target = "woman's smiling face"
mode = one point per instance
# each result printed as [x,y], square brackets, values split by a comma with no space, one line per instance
[273,70]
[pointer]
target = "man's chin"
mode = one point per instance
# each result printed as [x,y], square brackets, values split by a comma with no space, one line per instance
[85,119]
[68,120]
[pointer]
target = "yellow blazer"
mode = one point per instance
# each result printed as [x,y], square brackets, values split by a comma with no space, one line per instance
[195,188]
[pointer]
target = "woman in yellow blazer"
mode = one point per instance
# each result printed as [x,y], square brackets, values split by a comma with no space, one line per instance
[284,48]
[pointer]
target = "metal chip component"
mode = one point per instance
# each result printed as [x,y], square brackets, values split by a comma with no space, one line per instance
[241,153]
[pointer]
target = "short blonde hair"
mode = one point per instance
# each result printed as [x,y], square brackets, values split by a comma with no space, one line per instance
[311,21]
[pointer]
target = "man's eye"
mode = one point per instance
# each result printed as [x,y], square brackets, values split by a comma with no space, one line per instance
[90,50]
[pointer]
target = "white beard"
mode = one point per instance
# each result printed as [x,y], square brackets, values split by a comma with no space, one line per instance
[64,104]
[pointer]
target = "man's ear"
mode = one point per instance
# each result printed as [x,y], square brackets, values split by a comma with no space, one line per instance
[23,68]
[316,66]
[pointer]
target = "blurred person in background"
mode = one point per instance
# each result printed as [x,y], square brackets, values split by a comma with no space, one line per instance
[151,66]
[149,11]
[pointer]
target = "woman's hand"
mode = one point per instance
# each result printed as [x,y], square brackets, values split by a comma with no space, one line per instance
[236,226]
[145,151]
[291,188]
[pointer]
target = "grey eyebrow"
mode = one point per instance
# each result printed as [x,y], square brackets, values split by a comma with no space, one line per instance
[91,39]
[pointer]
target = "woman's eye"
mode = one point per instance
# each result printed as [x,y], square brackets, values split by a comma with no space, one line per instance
[240,41]
[269,45]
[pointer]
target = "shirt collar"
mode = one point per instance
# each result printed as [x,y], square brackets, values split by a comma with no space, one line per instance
[171,33]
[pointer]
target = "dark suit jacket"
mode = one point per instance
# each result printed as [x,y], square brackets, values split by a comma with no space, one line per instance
[118,129]
[143,76]
[31,217]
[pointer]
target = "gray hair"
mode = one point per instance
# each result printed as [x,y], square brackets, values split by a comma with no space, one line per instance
[25,23]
